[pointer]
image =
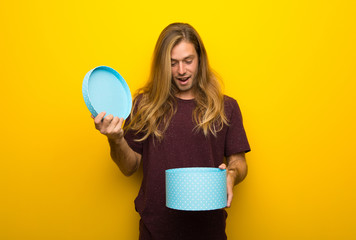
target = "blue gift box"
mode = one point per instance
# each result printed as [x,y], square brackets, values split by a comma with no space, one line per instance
[196,189]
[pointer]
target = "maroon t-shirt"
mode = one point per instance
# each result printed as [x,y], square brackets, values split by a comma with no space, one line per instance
[184,146]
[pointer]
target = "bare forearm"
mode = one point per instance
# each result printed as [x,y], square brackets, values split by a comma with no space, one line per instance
[237,168]
[125,158]
[236,172]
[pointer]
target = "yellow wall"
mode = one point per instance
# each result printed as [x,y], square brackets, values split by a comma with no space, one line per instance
[290,65]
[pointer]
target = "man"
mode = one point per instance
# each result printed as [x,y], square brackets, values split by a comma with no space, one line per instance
[179,119]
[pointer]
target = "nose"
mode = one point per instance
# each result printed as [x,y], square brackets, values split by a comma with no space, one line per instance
[181,69]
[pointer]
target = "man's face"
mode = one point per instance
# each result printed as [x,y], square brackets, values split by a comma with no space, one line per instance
[185,62]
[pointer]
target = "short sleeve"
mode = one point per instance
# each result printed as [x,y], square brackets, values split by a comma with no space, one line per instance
[130,137]
[236,139]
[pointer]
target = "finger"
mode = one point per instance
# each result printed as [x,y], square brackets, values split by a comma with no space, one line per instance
[229,198]
[222,166]
[99,117]
[107,120]
[113,123]
[118,126]
[92,116]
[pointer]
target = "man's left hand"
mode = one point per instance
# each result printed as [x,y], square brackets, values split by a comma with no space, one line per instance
[236,171]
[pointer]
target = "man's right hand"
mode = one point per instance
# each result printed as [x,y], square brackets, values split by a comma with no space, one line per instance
[110,126]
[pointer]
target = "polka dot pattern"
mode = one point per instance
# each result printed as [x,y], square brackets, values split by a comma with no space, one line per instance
[196,189]
[85,92]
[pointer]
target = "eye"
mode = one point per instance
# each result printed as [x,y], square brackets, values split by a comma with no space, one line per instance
[188,61]
[173,64]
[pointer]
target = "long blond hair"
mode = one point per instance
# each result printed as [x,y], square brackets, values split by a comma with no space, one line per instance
[154,104]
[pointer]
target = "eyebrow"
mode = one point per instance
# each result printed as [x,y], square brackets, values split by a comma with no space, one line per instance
[190,56]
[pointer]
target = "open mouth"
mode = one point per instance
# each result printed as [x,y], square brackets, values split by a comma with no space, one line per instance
[183,80]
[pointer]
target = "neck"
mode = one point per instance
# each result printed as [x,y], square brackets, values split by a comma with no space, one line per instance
[184,96]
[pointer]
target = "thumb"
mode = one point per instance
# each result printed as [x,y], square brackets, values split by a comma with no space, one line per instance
[222,166]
